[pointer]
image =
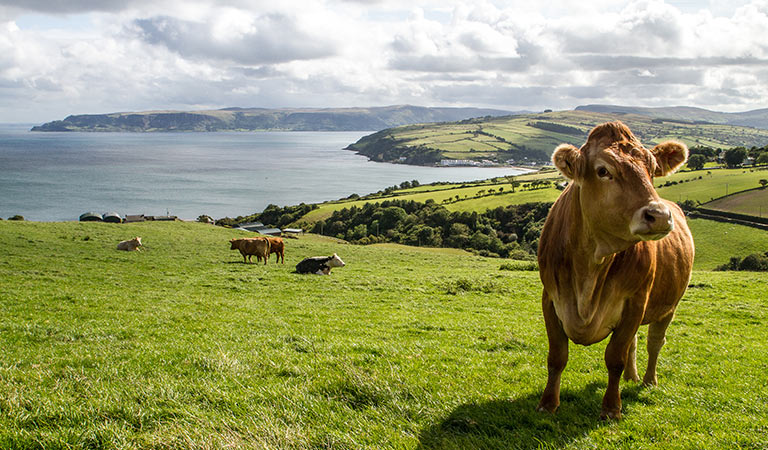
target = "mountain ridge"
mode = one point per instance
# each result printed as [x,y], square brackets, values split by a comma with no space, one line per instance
[756,118]
[262,119]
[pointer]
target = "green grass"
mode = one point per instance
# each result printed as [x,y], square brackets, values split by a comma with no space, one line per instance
[184,346]
[714,184]
[717,242]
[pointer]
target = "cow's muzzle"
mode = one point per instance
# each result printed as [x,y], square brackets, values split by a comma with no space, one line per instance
[652,222]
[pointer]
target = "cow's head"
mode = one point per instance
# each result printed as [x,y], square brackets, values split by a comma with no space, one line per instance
[335,261]
[614,174]
[234,244]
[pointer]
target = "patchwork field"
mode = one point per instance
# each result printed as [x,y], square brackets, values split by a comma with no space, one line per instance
[534,136]
[699,186]
[184,346]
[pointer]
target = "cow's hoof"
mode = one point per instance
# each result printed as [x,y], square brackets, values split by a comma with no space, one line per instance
[610,414]
[650,381]
[634,378]
[548,408]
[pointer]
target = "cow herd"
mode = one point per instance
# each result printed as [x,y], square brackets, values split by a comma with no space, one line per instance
[262,247]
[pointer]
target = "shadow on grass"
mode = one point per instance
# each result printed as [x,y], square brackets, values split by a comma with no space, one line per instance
[515,424]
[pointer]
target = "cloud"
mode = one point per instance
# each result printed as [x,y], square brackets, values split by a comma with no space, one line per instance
[58,58]
[265,39]
[71,6]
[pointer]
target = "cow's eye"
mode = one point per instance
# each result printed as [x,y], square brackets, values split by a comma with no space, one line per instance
[602,172]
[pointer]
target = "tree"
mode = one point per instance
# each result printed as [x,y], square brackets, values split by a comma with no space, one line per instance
[762,158]
[735,156]
[696,161]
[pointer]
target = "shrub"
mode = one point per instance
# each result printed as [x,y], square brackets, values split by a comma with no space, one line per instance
[16,217]
[530,266]
[755,262]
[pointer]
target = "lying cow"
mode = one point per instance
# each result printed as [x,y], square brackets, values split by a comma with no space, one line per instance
[130,245]
[612,256]
[319,265]
[248,247]
[277,246]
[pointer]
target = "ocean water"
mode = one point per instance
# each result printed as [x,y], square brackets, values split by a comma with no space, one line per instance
[58,176]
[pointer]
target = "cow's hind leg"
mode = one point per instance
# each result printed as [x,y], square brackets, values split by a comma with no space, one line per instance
[557,357]
[657,332]
[630,370]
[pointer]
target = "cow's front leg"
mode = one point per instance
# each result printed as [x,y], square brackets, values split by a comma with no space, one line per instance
[616,353]
[557,357]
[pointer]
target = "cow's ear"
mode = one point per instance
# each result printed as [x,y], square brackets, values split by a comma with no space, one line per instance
[568,160]
[670,155]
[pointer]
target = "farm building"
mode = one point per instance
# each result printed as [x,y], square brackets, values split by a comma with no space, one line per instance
[259,227]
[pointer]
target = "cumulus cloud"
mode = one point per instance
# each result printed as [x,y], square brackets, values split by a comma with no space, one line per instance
[265,39]
[190,54]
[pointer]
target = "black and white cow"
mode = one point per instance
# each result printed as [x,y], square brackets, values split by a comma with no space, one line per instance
[320,265]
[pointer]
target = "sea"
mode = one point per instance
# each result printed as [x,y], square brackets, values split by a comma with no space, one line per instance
[56,176]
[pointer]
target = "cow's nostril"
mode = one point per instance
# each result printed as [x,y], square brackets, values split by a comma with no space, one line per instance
[650,218]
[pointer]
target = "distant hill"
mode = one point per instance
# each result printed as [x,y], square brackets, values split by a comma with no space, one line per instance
[257,119]
[526,138]
[757,118]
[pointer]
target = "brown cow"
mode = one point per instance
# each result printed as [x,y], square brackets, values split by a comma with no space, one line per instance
[612,256]
[258,246]
[130,245]
[277,246]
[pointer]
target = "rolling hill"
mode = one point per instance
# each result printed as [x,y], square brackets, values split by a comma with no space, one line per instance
[532,137]
[260,119]
[757,118]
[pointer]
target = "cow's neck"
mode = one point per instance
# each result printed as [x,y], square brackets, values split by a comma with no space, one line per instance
[594,253]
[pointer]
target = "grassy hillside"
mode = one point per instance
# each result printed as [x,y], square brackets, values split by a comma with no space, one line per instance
[534,136]
[184,346]
[757,118]
[717,242]
[477,196]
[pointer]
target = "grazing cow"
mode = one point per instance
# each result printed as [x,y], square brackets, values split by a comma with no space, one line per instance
[612,256]
[320,265]
[258,246]
[277,246]
[130,245]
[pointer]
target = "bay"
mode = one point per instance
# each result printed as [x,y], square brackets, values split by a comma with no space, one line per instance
[58,176]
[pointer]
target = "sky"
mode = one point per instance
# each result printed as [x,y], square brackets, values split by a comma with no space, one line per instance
[62,57]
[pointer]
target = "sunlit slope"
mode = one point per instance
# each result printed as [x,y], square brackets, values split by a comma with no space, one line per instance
[532,137]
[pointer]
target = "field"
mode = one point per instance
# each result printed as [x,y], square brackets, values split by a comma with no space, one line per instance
[184,346]
[714,184]
[476,196]
[753,203]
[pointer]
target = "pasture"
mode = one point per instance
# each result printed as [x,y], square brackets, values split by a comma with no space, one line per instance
[753,203]
[482,195]
[184,346]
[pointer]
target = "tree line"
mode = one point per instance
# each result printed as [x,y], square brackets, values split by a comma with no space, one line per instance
[511,231]
[733,157]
